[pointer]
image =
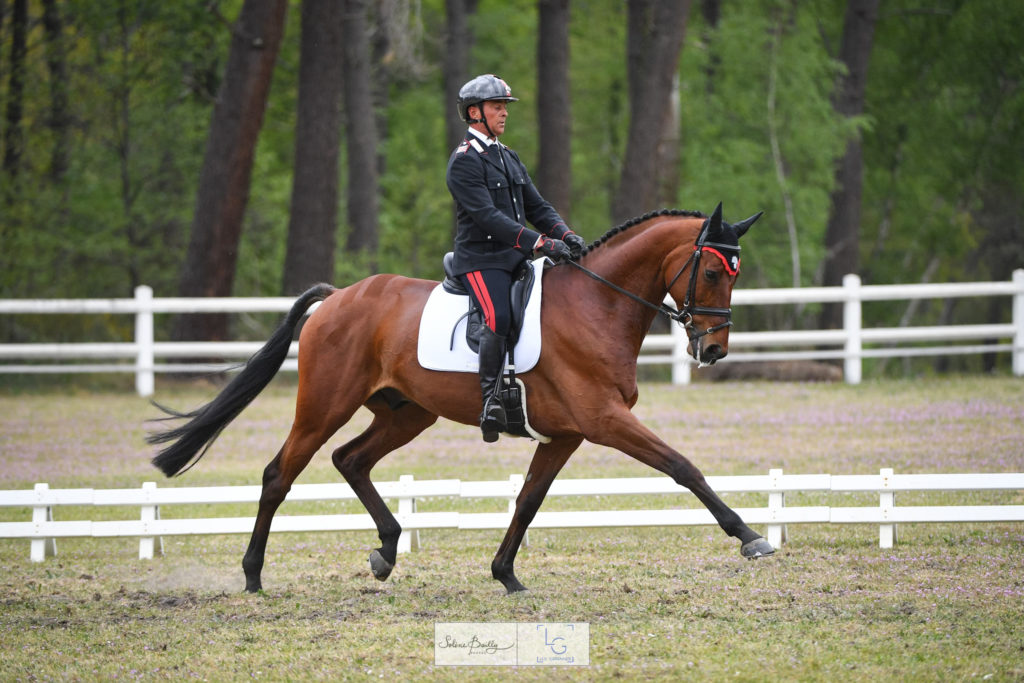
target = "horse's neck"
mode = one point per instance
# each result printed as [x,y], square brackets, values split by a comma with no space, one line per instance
[635,262]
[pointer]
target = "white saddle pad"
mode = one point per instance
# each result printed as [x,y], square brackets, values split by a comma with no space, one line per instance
[435,350]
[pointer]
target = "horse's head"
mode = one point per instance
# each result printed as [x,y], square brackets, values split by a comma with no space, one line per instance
[713,265]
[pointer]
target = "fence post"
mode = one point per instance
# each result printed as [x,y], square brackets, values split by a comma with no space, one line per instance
[777,533]
[852,327]
[887,501]
[144,340]
[42,547]
[1018,323]
[680,360]
[148,545]
[409,540]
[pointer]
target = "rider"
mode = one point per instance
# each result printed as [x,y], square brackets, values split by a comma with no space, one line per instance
[494,198]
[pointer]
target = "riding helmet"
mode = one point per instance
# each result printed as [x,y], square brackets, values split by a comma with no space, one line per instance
[482,89]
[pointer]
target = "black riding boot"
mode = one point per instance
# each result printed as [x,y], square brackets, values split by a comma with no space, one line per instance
[492,362]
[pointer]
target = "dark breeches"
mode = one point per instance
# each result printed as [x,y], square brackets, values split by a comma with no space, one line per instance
[490,290]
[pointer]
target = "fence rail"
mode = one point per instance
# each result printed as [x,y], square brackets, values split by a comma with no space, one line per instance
[148,526]
[852,344]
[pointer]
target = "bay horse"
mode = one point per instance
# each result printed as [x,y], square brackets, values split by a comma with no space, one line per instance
[359,349]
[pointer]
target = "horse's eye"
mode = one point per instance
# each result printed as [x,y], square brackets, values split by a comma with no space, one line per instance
[711,275]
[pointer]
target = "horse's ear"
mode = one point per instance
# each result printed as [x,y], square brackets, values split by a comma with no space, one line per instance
[744,225]
[715,224]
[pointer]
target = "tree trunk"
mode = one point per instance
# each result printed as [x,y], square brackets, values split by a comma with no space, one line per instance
[123,143]
[223,193]
[655,38]
[56,62]
[361,135]
[458,45]
[14,135]
[712,13]
[554,168]
[842,235]
[779,163]
[385,17]
[669,148]
[313,222]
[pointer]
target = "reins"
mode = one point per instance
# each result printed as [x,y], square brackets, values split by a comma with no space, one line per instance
[662,309]
[685,314]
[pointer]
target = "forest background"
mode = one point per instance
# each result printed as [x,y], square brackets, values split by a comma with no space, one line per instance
[252,147]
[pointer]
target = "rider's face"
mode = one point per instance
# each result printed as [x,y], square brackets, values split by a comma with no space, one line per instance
[495,112]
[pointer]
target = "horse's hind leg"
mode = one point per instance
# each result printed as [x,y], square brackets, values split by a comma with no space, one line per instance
[390,429]
[309,432]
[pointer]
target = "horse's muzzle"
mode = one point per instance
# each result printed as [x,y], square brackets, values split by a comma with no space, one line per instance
[706,354]
[712,353]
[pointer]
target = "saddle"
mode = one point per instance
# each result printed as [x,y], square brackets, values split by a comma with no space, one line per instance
[522,286]
[513,391]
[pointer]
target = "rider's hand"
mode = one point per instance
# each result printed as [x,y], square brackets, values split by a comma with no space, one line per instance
[575,243]
[556,250]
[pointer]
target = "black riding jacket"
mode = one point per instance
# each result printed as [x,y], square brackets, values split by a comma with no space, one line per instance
[493,206]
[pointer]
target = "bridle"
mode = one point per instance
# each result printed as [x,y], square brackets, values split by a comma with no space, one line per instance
[685,314]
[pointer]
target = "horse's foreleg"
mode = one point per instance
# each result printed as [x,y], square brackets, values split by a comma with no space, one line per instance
[548,461]
[389,430]
[625,433]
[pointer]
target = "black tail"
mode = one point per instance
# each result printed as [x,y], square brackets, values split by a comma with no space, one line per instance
[192,439]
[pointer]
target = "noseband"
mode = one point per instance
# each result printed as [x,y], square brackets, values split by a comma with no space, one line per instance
[685,314]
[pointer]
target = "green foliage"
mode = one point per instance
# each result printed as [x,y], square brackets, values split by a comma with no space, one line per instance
[942,141]
[139,91]
[600,110]
[726,83]
[943,182]
[945,166]
[416,209]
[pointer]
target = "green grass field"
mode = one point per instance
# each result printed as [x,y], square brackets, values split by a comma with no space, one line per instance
[666,604]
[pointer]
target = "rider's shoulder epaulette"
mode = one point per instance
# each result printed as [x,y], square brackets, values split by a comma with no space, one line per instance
[464,147]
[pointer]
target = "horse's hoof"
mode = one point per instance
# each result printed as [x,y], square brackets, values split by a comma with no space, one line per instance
[757,548]
[380,567]
[512,585]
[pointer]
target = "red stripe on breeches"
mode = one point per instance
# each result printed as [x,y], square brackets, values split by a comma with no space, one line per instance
[476,281]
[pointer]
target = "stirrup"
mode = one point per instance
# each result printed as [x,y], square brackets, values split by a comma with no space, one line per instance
[493,420]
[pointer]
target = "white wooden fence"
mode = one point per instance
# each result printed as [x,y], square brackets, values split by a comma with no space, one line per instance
[149,527]
[852,344]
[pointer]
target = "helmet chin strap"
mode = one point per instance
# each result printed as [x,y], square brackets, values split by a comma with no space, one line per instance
[483,120]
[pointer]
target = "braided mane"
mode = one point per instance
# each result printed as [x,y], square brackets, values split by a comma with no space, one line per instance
[636,221]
